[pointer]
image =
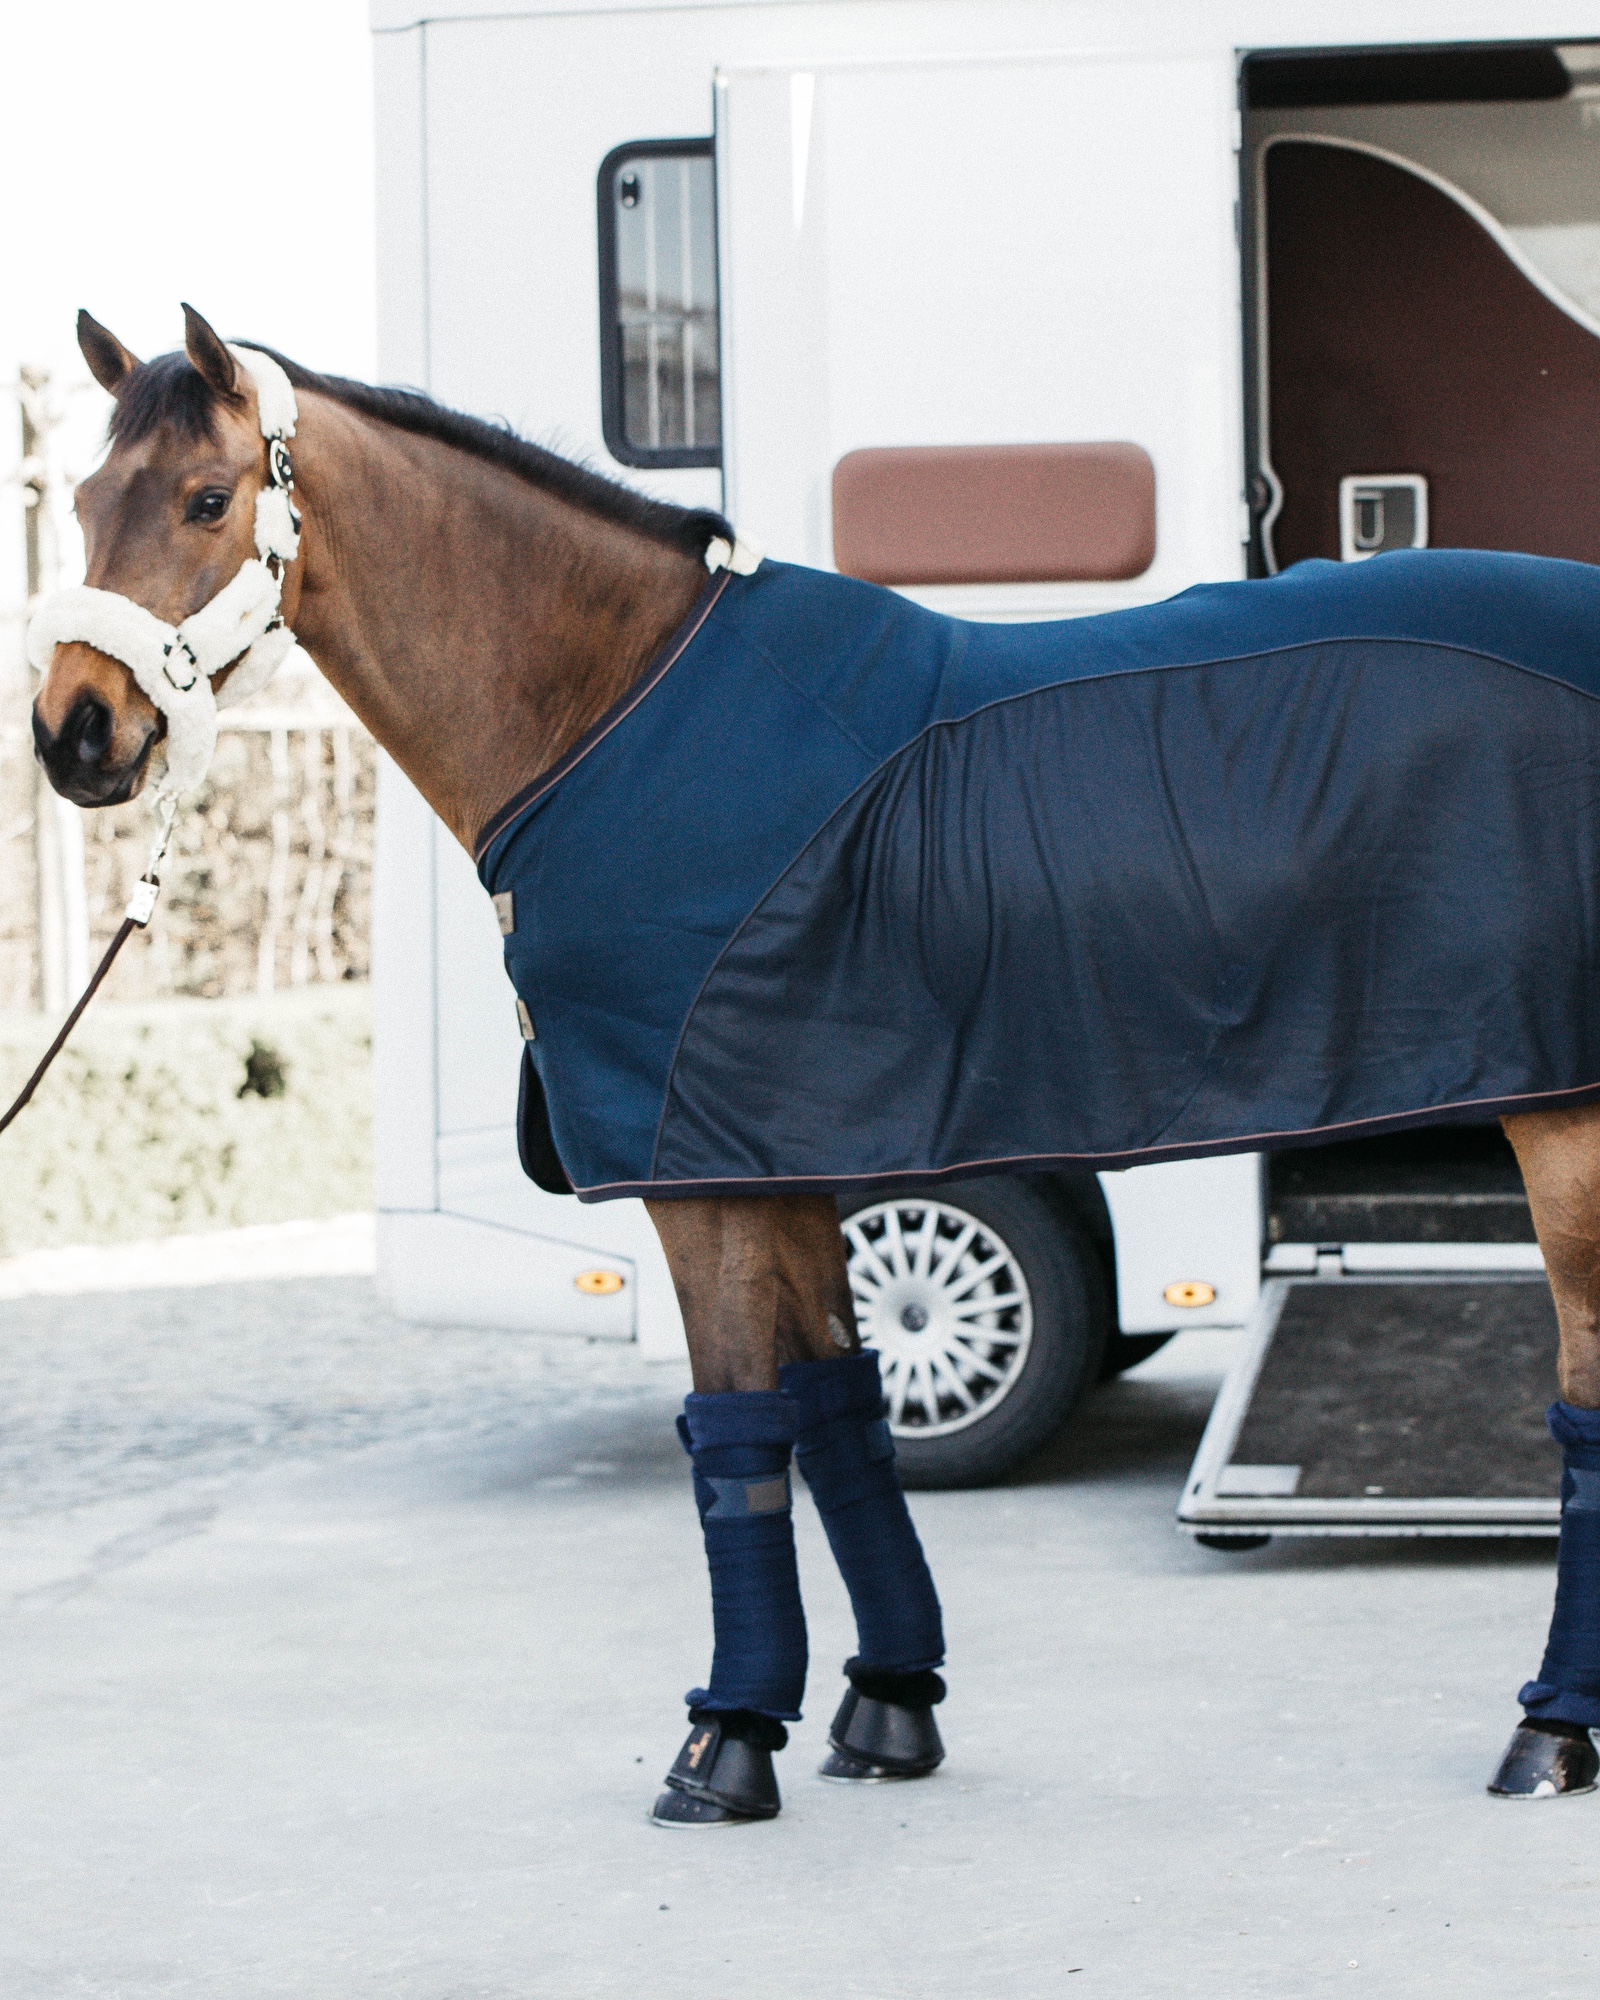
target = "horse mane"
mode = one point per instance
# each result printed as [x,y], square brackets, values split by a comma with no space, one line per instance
[170,389]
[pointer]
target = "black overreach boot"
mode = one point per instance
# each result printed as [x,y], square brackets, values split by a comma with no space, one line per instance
[885,1728]
[724,1775]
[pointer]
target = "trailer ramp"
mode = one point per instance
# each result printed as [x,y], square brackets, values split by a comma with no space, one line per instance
[1383,1403]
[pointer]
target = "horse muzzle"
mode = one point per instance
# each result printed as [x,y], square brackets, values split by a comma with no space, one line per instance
[79,758]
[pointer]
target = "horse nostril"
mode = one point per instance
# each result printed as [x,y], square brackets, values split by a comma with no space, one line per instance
[91,730]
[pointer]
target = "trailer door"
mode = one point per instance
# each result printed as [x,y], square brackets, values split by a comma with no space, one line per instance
[984,252]
[1003,252]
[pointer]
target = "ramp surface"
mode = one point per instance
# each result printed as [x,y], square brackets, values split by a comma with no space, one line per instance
[1404,1405]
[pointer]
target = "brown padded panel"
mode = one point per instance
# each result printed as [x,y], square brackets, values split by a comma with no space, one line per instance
[995,513]
[1403,339]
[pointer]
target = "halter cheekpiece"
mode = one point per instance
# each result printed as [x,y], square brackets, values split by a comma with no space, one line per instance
[242,626]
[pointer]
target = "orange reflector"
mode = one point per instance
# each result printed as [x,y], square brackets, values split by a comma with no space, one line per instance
[599,1282]
[1190,1292]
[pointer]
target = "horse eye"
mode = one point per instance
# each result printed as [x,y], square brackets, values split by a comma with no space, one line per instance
[208,506]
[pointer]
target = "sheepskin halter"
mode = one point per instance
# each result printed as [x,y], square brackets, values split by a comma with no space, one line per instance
[243,623]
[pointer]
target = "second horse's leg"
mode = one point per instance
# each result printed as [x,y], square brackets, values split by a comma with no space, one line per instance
[1551,1754]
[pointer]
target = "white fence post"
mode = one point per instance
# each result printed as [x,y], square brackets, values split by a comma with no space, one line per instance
[63,908]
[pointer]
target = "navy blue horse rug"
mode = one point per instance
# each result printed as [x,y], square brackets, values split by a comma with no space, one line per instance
[844,890]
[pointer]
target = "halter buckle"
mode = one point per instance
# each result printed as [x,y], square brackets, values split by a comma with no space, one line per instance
[180,645]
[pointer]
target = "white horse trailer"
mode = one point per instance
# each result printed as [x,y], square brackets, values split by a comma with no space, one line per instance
[720,249]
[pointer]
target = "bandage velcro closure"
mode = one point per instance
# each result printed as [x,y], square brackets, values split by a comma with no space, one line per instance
[736,1498]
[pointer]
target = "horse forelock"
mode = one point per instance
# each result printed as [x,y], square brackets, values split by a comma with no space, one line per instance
[168,390]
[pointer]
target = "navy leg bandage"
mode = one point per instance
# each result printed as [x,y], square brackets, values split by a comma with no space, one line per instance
[1568,1687]
[845,1451]
[740,1443]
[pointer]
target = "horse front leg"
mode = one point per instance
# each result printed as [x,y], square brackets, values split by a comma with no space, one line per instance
[778,1369]
[1552,1755]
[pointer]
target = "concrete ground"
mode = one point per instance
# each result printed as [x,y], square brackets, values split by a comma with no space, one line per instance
[342,1659]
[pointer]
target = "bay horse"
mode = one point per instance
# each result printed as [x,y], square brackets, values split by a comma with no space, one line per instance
[488,609]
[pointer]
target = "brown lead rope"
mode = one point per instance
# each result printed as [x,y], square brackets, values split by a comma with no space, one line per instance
[141,908]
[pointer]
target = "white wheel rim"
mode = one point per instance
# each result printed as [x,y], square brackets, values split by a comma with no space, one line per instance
[944,1302]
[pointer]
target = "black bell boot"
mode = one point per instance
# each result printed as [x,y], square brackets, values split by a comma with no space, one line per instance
[885,1728]
[1547,1760]
[724,1774]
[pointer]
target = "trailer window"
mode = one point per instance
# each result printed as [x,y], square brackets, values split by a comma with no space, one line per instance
[660,389]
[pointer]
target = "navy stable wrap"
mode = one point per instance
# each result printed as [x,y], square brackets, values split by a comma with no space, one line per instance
[1568,1687]
[846,1455]
[740,1443]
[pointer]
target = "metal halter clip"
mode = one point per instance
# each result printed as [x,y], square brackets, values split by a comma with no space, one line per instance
[180,645]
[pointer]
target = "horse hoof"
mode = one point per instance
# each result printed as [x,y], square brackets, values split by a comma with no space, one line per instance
[676,1809]
[840,1767]
[720,1779]
[876,1741]
[1547,1761]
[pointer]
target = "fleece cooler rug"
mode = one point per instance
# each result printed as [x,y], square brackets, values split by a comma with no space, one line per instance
[844,890]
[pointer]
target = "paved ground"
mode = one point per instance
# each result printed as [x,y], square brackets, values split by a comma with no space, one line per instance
[341,1659]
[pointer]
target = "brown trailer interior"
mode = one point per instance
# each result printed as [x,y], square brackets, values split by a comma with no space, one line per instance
[1402,337]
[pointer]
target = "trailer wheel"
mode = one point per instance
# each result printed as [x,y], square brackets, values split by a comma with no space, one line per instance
[989,1313]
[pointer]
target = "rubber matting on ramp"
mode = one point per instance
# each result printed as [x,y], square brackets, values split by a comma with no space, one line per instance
[1388,1406]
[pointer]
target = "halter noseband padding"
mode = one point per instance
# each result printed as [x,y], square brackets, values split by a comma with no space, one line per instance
[174,665]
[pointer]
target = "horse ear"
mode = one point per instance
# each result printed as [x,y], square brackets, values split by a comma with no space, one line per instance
[109,361]
[209,354]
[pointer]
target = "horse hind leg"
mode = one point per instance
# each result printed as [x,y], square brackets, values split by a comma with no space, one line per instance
[1551,1754]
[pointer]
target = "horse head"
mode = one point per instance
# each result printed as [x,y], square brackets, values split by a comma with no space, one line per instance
[168,518]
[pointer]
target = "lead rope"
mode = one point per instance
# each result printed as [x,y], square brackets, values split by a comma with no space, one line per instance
[141,908]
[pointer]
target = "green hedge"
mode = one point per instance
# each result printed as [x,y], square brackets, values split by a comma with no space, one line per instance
[188,1115]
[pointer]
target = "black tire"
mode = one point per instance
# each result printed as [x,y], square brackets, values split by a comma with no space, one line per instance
[1066,1310]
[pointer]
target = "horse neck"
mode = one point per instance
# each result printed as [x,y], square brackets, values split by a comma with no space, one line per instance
[476,623]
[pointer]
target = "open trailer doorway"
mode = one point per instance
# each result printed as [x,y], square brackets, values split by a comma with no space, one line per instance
[1421,251]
